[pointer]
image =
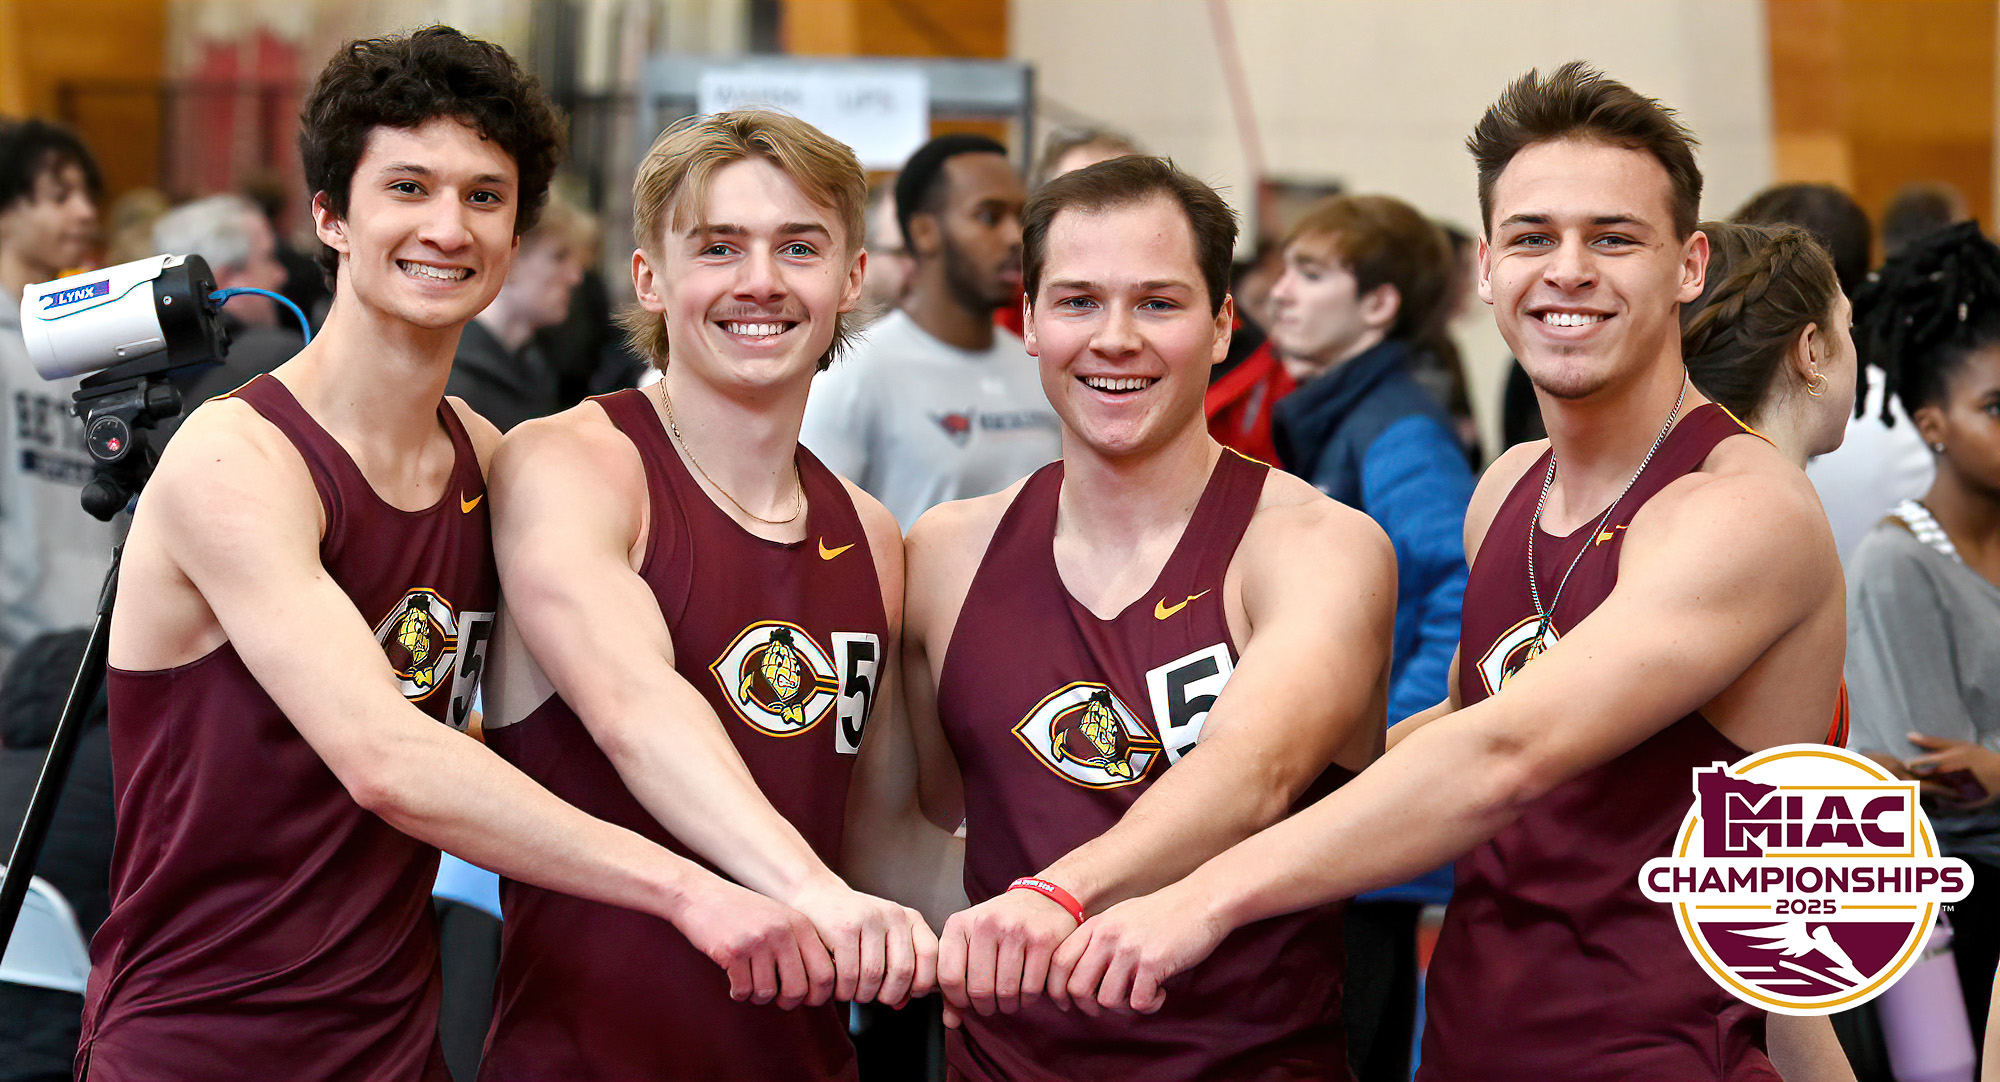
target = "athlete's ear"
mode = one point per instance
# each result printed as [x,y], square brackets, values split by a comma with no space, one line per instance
[1694,267]
[645,284]
[328,226]
[850,293]
[1485,271]
[1225,327]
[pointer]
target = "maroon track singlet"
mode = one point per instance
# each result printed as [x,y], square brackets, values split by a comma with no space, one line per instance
[263,925]
[1059,721]
[1551,964]
[784,641]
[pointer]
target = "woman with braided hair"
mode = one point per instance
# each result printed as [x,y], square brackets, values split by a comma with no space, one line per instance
[1768,337]
[1923,614]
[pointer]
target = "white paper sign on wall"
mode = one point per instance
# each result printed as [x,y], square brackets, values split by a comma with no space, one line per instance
[883,115]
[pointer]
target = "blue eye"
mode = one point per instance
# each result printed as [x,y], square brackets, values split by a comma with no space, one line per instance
[800,249]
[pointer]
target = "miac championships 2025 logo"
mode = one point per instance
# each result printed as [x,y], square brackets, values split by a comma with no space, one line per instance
[1805,878]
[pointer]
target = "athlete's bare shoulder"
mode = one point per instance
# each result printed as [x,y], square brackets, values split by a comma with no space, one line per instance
[1292,513]
[1745,486]
[226,447]
[885,543]
[960,526]
[1499,479]
[484,434]
[942,554]
[578,444]
[1304,548]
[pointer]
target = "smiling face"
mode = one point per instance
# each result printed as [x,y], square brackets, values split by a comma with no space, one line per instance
[429,230]
[52,229]
[1582,265]
[751,283]
[1122,328]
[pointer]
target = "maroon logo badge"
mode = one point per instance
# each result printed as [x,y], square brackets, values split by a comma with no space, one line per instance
[1805,879]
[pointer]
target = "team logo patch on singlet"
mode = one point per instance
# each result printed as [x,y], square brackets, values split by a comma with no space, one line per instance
[426,641]
[1084,732]
[777,678]
[1805,879]
[1513,649]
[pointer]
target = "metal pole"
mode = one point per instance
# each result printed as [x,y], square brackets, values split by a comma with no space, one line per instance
[55,768]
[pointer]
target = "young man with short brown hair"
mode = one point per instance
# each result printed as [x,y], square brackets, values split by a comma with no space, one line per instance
[1136,657]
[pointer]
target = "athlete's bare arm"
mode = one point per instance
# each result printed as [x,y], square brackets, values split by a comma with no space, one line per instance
[1311,596]
[225,548]
[1494,484]
[570,531]
[889,847]
[1728,601]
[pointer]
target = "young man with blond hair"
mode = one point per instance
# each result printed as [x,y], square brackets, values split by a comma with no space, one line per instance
[699,618]
[1654,589]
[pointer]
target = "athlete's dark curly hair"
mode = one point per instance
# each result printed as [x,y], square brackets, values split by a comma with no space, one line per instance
[1766,285]
[1920,315]
[404,81]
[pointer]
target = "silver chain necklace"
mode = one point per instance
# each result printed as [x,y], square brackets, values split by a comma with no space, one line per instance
[1542,615]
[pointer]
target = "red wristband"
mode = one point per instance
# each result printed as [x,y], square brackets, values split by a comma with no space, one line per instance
[1054,893]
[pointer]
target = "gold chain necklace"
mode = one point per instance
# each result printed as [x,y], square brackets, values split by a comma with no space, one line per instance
[799,494]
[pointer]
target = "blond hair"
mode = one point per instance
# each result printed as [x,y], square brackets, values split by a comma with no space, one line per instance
[673,181]
[565,221]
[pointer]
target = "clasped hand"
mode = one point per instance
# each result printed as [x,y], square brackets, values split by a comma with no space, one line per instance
[1007,952]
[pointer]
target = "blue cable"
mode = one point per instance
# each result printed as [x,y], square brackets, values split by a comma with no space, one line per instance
[222,295]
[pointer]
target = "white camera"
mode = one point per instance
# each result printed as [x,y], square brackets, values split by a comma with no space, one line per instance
[155,309]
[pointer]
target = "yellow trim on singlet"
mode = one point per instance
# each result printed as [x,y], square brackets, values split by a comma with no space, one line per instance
[1740,424]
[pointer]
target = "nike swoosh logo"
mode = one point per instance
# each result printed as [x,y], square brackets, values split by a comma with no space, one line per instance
[465,506]
[828,554]
[1162,610]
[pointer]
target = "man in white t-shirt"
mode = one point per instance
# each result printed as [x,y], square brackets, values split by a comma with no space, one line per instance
[52,554]
[935,402]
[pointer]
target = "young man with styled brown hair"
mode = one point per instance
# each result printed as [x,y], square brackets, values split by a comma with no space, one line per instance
[301,624]
[700,615]
[1134,658]
[1656,589]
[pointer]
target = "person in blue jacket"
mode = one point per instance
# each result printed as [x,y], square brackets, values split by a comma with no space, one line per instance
[1365,280]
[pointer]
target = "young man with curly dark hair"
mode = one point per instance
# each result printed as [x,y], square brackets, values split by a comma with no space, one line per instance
[308,590]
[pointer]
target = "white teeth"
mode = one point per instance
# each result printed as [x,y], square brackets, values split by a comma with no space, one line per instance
[1570,319]
[754,330]
[442,274]
[1105,383]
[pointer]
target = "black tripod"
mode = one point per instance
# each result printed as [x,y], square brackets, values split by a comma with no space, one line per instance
[119,412]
